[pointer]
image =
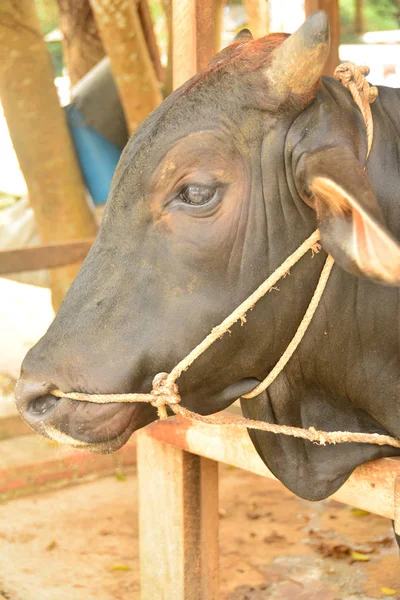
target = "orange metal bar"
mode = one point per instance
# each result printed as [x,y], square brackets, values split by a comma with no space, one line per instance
[374,486]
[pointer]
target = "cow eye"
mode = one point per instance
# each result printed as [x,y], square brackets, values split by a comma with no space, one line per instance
[197,194]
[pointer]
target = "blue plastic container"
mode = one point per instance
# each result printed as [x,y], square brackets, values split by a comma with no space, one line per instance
[97,156]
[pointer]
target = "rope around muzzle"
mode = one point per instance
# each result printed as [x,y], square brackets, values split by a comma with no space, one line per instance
[165,391]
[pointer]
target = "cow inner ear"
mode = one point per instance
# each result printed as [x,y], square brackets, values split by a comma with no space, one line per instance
[349,217]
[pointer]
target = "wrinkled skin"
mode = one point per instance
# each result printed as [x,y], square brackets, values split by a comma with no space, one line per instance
[163,272]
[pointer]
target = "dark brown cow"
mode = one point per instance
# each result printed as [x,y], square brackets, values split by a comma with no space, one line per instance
[218,186]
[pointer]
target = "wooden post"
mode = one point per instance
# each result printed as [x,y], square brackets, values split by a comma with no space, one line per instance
[193,37]
[258,17]
[397,505]
[218,18]
[331,7]
[150,37]
[178,521]
[184,60]
[359,17]
[82,44]
[168,84]
[206,30]
[40,136]
[119,25]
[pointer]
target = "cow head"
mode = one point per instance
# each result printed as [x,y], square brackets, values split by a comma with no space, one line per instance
[217,187]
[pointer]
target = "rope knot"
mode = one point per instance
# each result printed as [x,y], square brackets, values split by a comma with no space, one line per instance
[348,73]
[370,91]
[164,393]
[353,78]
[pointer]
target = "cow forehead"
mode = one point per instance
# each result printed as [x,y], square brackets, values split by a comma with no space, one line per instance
[188,117]
[204,90]
[213,98]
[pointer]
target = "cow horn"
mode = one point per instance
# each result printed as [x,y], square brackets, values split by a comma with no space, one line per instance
[244,35]
[300,60]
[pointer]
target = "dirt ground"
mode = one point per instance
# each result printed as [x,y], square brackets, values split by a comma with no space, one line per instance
[80,543]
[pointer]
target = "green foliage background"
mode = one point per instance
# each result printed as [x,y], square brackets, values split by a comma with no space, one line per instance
[379,15]
[47,11]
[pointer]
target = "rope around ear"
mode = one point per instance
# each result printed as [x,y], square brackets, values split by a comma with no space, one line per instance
[165,390]
[364,94]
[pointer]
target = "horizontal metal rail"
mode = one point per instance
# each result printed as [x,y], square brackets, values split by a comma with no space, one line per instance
[370,487]
[178,508]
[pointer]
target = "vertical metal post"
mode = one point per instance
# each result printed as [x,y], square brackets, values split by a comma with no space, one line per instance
[178,522]
[178,491]
[193,37]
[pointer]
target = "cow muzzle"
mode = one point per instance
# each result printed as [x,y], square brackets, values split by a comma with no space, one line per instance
[81,424]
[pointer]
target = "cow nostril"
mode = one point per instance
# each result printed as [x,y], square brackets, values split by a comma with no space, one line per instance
[43,404]
[33,399]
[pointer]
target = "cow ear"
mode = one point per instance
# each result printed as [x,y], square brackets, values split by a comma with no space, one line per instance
[350,220]
[244,35]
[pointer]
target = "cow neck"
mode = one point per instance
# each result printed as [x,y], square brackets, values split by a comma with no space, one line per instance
[165,391]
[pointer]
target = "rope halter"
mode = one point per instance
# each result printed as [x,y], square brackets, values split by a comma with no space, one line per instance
[164,394]
[165,390]
[364,94]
